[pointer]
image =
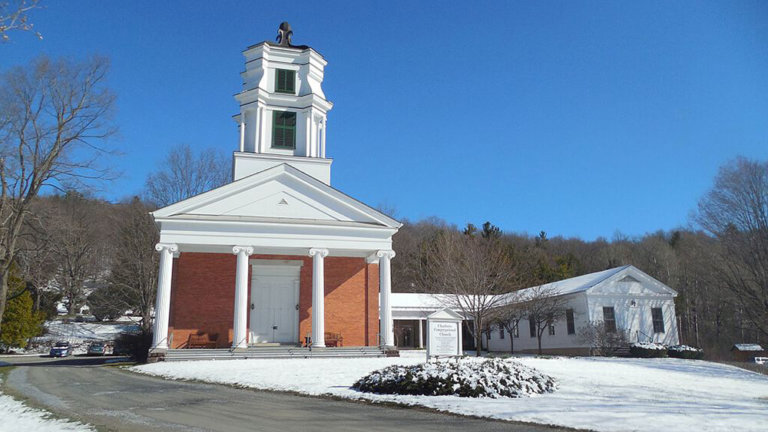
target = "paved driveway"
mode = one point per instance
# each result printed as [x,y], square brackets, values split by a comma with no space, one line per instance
[114,399]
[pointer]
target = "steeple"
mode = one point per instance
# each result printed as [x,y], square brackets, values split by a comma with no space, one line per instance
[282,109]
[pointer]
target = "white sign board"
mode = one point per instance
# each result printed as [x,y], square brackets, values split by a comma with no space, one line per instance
[444,334]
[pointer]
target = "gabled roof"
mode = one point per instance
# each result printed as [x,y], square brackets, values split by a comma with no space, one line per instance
[746,347]
[589,281]
[414,301]
[281,194]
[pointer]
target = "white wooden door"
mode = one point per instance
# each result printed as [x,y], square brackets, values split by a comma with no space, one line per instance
[274,306]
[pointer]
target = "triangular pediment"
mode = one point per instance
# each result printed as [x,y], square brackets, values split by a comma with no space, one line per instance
[279,193]
[630,281]
[445,314]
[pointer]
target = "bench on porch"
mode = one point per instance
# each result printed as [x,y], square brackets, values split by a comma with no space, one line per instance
[333,339]
[202,340]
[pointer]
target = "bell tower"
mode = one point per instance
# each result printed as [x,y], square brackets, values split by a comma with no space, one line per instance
[282,109]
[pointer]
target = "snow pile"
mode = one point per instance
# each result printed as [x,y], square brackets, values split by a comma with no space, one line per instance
[492,378]
[17,416]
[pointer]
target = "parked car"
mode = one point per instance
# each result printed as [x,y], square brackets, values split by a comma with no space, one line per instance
[61,349]
[99,349]
[121,349]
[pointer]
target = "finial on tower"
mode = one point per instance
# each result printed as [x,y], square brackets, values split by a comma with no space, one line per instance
[284,34]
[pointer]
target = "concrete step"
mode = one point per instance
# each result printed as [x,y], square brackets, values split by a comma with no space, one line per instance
[273,352]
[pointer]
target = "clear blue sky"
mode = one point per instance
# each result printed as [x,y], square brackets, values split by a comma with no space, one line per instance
[578,118]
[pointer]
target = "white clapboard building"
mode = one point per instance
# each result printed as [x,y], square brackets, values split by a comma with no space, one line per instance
[622,298]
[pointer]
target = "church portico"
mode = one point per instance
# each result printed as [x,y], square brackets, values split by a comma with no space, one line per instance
[244,298]
[277,256]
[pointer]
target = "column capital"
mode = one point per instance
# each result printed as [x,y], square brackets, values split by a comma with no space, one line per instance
[389,254]
[318,251]
[170,247]
[247,250]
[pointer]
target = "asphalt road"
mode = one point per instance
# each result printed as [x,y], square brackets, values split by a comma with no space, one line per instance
[116,400]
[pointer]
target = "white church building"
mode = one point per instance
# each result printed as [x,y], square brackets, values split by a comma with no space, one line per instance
[278,256]
[621,298]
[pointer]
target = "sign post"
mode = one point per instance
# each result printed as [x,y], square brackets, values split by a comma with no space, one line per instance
[444,334]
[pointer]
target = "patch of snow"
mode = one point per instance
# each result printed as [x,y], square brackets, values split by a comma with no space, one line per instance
[650,346]
[748,347]
[604,394]
[78,334]
[684,348]
[18,417]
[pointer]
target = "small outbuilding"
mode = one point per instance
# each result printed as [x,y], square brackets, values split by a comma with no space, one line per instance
[746,352]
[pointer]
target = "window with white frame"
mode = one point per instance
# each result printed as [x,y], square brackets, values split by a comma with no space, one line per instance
[658,320]
[570,322]
[609,319]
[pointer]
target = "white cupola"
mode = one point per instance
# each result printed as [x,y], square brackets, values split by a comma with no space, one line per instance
[282,109]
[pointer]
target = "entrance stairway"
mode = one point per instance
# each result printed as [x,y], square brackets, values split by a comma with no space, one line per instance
[274,352]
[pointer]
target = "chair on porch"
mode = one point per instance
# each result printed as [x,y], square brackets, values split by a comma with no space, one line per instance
[203,340]
[333,339]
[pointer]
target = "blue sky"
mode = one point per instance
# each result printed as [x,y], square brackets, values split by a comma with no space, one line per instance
[577,118]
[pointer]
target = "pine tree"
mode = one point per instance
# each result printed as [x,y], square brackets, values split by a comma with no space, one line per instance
[20,321]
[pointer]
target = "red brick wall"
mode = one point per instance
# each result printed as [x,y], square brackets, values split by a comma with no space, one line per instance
[372,301]
[203,296]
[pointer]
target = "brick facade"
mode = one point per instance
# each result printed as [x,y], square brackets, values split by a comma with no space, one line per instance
[203,297]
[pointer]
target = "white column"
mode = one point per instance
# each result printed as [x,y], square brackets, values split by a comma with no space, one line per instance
[163,301]
[318,296]
[385,290]
[239,327]
[322,139]
[242,131]
[307,134]
[421,331]
[261,130]
[312,152]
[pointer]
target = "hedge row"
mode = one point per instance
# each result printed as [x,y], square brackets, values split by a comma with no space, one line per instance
[653,350]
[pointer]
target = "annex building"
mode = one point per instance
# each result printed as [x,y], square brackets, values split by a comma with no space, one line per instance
[277,256]
[622,299]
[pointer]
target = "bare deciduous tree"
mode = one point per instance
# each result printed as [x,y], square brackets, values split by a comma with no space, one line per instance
[467,273]
[736,212]
[76,228]
[133,280]
[35,258]
[544,307]
[184,174]
[509,315]
[54,118]
[602,341]
[14,15]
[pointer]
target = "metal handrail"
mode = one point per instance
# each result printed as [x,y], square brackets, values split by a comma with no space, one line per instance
[639,332]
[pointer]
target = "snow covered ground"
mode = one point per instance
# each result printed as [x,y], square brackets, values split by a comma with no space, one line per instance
[15,416]
[605,394]
[79,334]
[83,331]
